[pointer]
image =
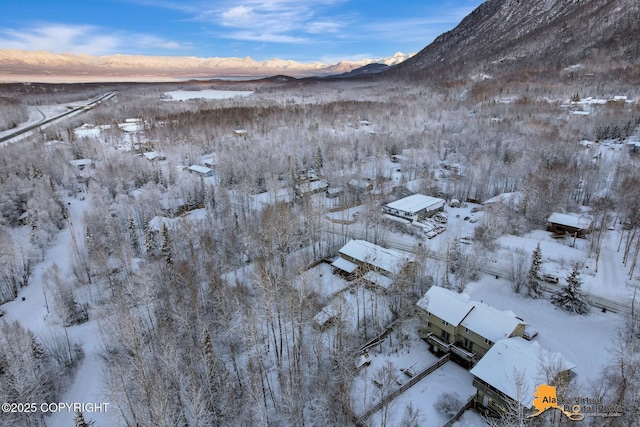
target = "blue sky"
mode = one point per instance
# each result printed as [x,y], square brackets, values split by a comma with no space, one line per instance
[301,30]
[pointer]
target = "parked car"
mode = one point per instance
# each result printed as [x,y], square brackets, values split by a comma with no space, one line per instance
[549,278]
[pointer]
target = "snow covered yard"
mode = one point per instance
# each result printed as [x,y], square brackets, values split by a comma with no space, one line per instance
[35,310]
[320,279]
[584,340]
[403,350]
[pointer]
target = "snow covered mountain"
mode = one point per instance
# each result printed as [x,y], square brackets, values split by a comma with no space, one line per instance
[511,36]
[16,63]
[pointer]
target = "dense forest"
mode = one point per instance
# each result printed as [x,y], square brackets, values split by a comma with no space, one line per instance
[209,322]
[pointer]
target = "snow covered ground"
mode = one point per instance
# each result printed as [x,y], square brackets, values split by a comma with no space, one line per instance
[403,349]
[34,309]
[584,340]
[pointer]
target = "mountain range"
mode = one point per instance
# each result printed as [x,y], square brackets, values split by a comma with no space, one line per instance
[506,37]
[17,64]
[500,37]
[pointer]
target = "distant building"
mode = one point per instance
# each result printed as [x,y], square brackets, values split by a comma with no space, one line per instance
[200,170]
[453,323]
[380,266]
[333,192]
[81,164]
[325,317]
[361,185]
[415,207]
[155,156]
[572,224]
[511,371]
[313,187]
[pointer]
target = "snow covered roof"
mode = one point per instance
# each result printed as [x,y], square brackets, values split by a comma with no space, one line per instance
[513,199]
[344,265]
[152,155]
[516,357]
[570,220]
[448,305]
[81,162]
[416,203]
[311,186]
[378,279]
[284,195]
[491,323]
[361,183]
[200,169]
[157,222]
[385,259]
[326,314]
[458,309]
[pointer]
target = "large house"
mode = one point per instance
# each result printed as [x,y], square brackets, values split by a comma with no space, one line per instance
[512,370]
[414,207]
[380,266]
[453,323]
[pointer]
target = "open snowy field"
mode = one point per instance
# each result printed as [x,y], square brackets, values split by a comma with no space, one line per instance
[186,95]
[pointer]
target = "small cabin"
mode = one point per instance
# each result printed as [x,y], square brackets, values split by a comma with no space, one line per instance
[572,224]
[200,170]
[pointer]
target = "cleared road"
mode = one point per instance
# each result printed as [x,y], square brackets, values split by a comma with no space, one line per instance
[46,121]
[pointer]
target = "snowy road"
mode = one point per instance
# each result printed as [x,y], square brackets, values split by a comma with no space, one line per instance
[29,126]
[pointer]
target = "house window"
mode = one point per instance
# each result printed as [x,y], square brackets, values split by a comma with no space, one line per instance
[445,336]
[467,330]
[445,323]
[428,324]
[428,314]
[468,344]
[487,341]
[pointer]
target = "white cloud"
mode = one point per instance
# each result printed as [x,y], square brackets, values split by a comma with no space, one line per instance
[265,37]
[321,27]
[59,38]
[88,39]
[283,21]
[239,16]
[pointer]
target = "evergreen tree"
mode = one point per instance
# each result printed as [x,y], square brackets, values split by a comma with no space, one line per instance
[534,278]
[131,226]
[161,180]
[166,245]
[80,421]
[149,237]
[318,161]
[570,297]
[296,181]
